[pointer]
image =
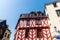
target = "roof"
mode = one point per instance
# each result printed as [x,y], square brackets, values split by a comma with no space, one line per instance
[2,20]
[32,15]
[51,3]
[3,23]
[36,15]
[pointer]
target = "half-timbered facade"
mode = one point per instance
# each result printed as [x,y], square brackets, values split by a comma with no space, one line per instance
[33,26]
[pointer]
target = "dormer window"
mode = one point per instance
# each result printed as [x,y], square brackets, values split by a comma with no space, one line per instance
[21,15]
[32,14]
[39,13]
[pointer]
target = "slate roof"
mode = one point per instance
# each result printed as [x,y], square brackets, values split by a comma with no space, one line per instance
[3,23]
[1,20]
[33,15]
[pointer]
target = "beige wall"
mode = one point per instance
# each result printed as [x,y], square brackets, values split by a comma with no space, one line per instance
[58,0]
[8,32]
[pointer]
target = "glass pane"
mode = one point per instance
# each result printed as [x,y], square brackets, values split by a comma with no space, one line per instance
[37,22]
[58,13]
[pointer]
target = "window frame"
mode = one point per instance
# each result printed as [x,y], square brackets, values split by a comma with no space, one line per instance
[38,22]
[58,13]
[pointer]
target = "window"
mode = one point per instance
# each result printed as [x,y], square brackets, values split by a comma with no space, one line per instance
[54,4]
[58,13]
[26,35]
[37,22]
[8,36]
[38,33]
[28,22]
[5,34]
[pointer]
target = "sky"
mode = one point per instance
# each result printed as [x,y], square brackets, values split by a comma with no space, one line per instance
[10,10]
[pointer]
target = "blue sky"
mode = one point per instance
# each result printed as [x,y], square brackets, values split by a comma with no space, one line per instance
[11,10]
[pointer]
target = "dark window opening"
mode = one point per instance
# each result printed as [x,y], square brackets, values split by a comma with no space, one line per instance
[26,35]
[58,13]
[28,22]
[18,37]
[37,22]
[54,4]
[38,33]
[5,34]
[3,39]
[39,14]
[8,36]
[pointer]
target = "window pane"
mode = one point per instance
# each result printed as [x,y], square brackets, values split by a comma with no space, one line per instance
[37,22]
[58,13]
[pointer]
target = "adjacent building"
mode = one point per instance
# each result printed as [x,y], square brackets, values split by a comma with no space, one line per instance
[4,31]
[52,10]
[57,0]
[33,26]
[6,35]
